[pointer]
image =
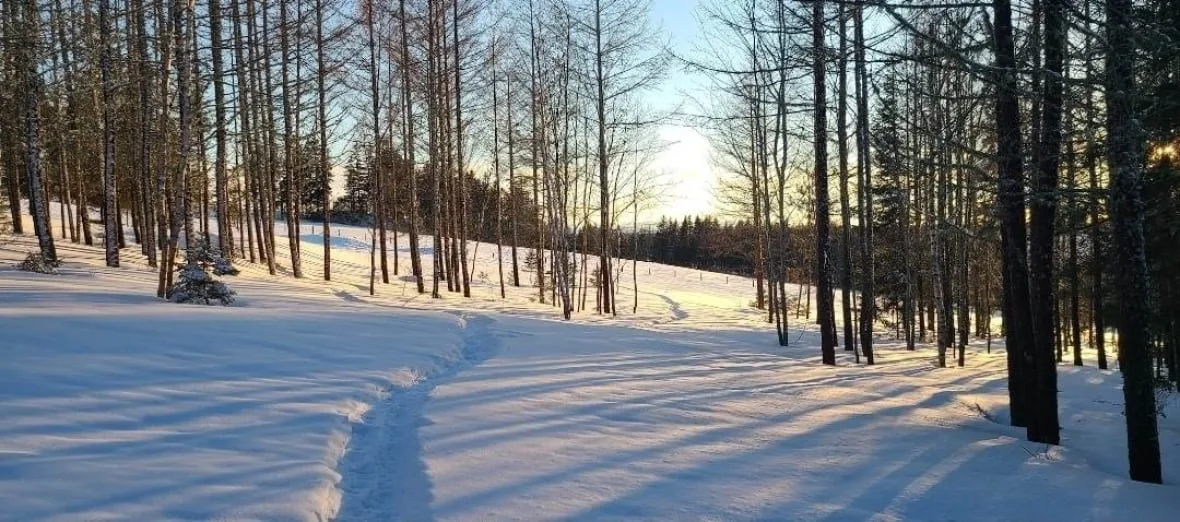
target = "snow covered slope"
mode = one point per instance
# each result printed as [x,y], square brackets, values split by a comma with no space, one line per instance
[119,406]
[312,400]
[635,425]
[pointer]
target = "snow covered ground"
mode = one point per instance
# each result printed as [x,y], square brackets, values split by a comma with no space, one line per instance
[311,400]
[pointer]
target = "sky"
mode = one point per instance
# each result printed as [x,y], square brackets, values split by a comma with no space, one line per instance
[688,178]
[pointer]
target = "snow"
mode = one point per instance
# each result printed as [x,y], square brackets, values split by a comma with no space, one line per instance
[310,400]
[713,428]
[117,405]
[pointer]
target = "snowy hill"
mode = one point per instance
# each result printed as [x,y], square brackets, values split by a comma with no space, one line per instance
[311,400]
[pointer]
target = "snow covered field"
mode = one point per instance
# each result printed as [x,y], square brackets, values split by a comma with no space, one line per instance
[311,401]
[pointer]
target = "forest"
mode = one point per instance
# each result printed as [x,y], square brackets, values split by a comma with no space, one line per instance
[935,163]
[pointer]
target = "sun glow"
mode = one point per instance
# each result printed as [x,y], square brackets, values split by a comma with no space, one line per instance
[1164,152]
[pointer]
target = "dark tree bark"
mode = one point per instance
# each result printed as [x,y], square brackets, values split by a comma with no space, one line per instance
[289,140]
[110,197]
[29,43]
[868,301]
[322,125]
[175,191]
[1043,425]
[1009,156]
[460,164]
[408,107]
[375,170]
[512,210]
[822,211]
[148,195]
[496,168]
[434,131]
[845,206]
[1095,201]
[1075,285]
[539,251]
[225,238]
[1127,207]
[604,224]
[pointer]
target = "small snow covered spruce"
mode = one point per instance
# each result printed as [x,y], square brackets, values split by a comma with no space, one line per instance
[196,285]
[209,257]
[37,262]
[194,282]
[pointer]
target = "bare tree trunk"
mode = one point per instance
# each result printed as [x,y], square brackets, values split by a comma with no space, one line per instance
[907,232]
[1075,285]
[822,212]
[1043,425]
[1127,209]
[940,247]
[1095,203]
[512,210]
[181,11]
[408,106]
[435,148]
[378,193]
[225,237]
[845,206]
[322,124]
[539,251]
[289,145]
[496,168]
[266,130]
[868,310]
[1018,338]
[460,167]
[244,149]
[68,113]
[267,113]
[29,44]
[163,190]
[396,164]
[110,196]
[604,225]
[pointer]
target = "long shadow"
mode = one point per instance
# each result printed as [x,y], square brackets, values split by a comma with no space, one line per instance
[491,432]
[687,483]
[625,458]
[682,369]
[678,313]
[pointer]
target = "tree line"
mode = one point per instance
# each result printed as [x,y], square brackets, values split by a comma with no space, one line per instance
[988,157]
[178,118]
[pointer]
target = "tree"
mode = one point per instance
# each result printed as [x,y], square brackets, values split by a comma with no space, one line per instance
[408,144]
[1043,426]
[1009,156]
[625,61]
[377,203]
[195,284]
[28,31]
[868,310]
[1125,156]
[823,242]
[289,143]
[842,155]
[110,214]
[225,234]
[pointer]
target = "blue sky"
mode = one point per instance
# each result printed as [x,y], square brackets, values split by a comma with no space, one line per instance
[685,164]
